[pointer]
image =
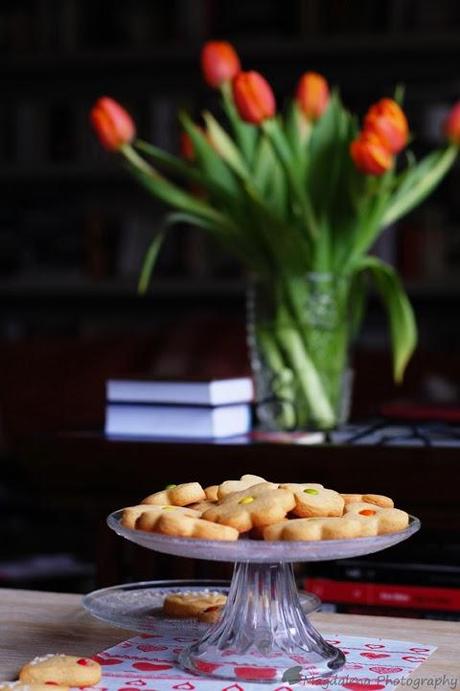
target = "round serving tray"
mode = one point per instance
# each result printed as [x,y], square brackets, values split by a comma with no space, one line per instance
[138,606]
[261,551]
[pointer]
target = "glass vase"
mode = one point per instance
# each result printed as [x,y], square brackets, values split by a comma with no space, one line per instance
[298,334]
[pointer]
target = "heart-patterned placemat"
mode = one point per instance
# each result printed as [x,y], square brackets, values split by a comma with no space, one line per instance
[148,663]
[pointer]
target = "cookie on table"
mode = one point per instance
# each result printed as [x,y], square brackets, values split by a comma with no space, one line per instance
[246,481]
[334,528]
[177,524]
[386,520]
[177,495]
[212,492]
[313,500]
[66,670]
[257,506]
[378,499]
[21,686]
[191,605]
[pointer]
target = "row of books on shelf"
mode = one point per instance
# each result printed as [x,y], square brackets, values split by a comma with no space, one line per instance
[106,243]
[38,132]
[102,243]
[178,409]
[425,591]
[73,26]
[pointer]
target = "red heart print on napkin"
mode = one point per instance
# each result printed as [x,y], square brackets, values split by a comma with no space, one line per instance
[206,667]
[375,656]
[106,660]
[255,672]
[233,687]
[374,646]
[150,648]
[414,658]
[151,666]
[385,670]
[186,685]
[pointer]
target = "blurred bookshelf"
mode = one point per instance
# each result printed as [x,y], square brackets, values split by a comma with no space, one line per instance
[73,224]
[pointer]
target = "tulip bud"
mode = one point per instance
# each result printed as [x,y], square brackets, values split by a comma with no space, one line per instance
[219,62]
[452,125]
[312,95]
[186,147]
[388,121]
[112,123]
[369,154]
[254,98]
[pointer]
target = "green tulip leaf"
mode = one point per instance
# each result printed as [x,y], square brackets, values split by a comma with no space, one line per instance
[400,314]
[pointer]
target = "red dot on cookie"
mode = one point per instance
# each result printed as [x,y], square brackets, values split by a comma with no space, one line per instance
[83,661]
[367,512]
[52,683]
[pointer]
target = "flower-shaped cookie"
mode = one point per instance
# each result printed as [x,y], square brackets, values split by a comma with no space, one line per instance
[337,528]
[314,500]
[377,520]
[212,492]
[246,481]
[378,499]
[359,520]
[177,524]
[132,514]
[257,506]
[177,495]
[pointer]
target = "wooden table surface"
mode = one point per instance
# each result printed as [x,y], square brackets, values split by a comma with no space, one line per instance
[35,623]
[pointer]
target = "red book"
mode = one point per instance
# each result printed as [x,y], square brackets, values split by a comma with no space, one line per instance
[384,594]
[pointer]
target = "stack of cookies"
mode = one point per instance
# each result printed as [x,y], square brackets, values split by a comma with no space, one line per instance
[257,509]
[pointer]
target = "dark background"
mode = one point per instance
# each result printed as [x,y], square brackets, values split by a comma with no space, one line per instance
[74,226]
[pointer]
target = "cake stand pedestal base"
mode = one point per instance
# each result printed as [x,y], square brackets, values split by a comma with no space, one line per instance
[263,634]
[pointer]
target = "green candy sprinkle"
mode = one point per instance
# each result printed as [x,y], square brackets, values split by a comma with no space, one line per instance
[170,486]
[311,491]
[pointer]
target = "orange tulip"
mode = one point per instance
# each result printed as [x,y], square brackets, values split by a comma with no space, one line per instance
[388,121]
[253,97]
[113,124]
[369,154]
[452,125]
[186,147]
[219,62]
[312,95]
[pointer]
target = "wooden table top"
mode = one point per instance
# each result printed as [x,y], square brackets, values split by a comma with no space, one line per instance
[35,623]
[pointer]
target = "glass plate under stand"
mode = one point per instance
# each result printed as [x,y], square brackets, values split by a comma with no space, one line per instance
[139,606]
[263,631]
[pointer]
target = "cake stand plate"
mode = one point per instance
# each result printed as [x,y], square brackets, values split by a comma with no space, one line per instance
[263,632]
[139,606]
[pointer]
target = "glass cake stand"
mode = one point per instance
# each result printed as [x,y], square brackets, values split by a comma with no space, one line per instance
[139,606]
[263,632]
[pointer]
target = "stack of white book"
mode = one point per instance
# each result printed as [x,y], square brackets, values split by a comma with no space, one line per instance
[172,409]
